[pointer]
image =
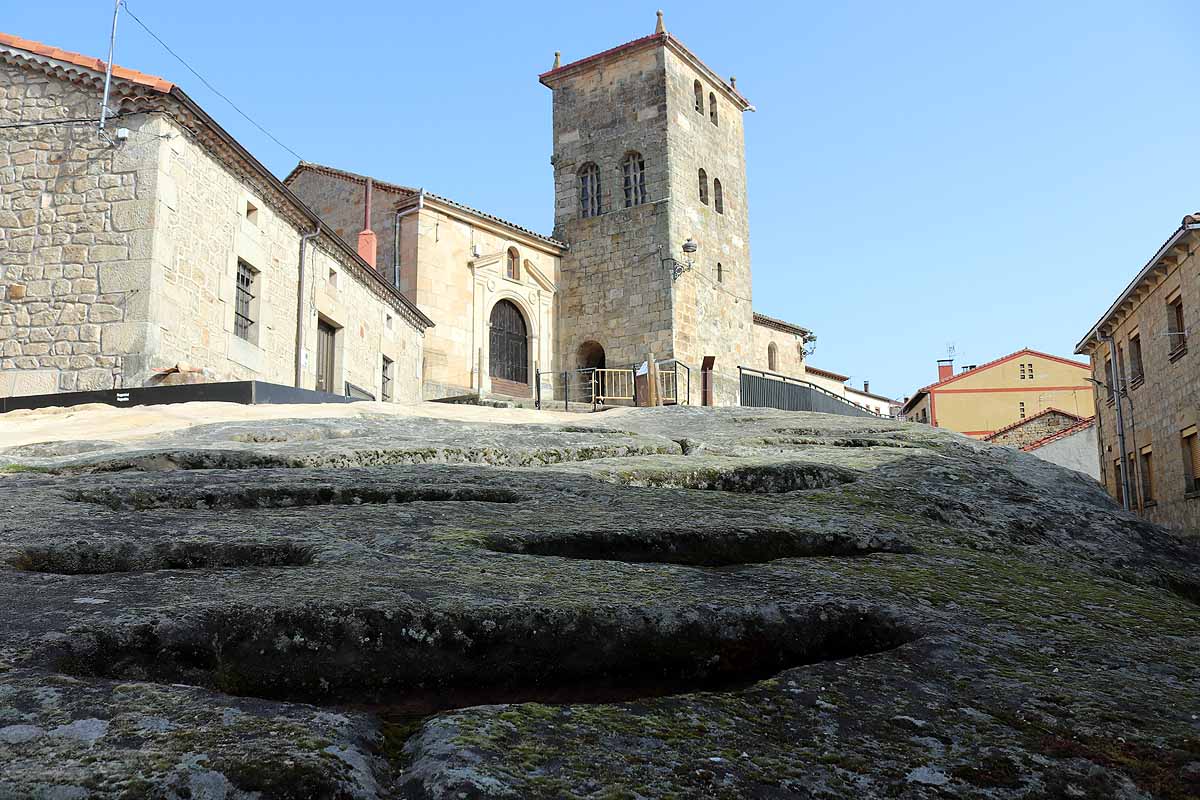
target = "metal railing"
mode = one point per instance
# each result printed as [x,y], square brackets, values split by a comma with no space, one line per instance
[763,389]
[609,386]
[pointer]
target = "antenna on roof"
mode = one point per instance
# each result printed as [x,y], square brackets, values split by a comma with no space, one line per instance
[950,351]
[112,42]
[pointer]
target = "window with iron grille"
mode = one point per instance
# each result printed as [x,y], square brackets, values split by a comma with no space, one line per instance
[243,320]
[1177,332]
[634,169]
[385,383]
[589,190]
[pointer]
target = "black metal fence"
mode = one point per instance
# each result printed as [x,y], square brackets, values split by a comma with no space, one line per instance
[761,389]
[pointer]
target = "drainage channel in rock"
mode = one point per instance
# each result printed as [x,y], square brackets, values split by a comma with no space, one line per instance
[701,547]
[755,479]
[95,558]
[500,455]
[425,661]
[238,496]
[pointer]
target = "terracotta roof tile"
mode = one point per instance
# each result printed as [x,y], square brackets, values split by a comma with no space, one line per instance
[826,373]
[1078,426]
[1027,420]
[778,324]
[80,60]
[409,190]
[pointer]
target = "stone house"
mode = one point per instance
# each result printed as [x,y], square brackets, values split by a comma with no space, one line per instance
[1139,351]
[161,240]
[980,400]
[1038,426]
[474,274]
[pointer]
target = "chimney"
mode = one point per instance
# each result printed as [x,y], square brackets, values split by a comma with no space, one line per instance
[945,369]
[367,244]
[867,386]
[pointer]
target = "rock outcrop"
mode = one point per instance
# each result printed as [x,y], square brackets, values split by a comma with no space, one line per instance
[664,603]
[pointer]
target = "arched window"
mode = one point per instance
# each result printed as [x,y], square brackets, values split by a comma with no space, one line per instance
[699,90]
[634,172]
[712,108]
[720,272]
[589,190]
[718,198]
[772,357]
[704,187]
[513,270]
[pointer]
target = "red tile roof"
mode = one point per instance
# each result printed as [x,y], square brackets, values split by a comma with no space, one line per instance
[912,401]
[1083,424]
[413,192]
[1027,420]
[80,60]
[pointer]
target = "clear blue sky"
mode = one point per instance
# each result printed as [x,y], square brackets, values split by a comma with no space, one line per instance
[920,173]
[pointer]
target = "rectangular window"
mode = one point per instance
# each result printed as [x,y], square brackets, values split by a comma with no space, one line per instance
[1147,465]
[1117,483]
[1022,372]
[1191,460]
[1021,409]
[1030,369]
[1177,331]
[243,320]
[1136,375]
[1123,376]
[1108,378]
[385,385]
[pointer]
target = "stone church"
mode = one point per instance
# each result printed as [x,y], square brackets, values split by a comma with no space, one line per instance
[648,155]
[160,244]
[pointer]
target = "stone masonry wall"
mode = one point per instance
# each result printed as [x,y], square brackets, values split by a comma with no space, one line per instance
[1033,430]
[789,348]
[209,219]
[75,241]
[1164,404]
[710,317]
[614,289]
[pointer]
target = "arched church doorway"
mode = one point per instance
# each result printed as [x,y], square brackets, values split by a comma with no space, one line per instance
[508,347]
[590,355]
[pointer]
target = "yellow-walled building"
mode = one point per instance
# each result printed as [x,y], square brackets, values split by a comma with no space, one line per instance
[981,400]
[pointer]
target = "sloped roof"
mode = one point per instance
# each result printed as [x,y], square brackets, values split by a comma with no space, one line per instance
[1083,424]
[413,192]
[826,373]
[778,324]
[205,122]
[1013,426]
[1025,351]
[95,64]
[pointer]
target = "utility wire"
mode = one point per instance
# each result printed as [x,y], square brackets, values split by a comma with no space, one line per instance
[202,79]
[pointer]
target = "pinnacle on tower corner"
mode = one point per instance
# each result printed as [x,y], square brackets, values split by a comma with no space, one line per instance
[660,27]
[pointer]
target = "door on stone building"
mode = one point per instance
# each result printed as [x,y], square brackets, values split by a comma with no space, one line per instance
[508,344]
[326,338]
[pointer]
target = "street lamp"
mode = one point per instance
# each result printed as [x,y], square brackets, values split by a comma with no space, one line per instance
[678,267]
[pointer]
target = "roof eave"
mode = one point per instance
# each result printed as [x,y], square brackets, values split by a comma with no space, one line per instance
[1086,345]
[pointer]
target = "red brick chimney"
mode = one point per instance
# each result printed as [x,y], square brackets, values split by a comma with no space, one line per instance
[367,245]
[945,365]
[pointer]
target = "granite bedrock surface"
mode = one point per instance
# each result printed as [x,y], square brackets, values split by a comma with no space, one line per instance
[666,603]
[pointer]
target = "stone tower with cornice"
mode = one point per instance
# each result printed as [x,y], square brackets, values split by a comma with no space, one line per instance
[649,152]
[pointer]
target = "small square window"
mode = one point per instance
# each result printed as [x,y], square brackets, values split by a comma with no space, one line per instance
[251,213]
